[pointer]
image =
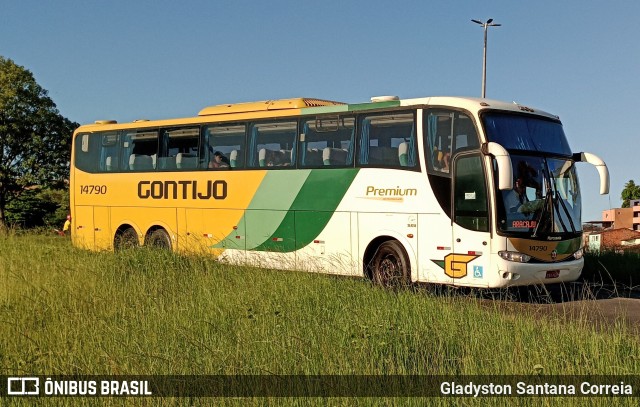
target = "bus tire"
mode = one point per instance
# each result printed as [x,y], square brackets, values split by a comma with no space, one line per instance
[390,265]
[126,239]
[159,239]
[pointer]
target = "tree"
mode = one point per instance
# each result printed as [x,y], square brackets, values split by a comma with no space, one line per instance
[35,139]
[37,207]
[630,192]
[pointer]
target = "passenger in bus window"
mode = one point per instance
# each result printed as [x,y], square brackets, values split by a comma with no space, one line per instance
[444,158]
[219,161]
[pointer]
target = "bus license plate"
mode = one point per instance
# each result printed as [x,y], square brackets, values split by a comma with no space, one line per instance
[553,274]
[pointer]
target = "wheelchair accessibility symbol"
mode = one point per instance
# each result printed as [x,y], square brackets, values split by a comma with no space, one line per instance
[477,271]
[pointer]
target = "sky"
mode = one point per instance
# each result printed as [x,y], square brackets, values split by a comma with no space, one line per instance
[133,59]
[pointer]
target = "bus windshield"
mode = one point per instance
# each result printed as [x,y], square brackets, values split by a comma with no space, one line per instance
[545,199]
[526,133]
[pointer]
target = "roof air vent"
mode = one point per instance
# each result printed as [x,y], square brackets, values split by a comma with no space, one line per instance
[377,99]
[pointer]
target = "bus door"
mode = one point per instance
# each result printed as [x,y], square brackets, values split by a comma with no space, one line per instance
[469,261]
[82,224]
[101,228]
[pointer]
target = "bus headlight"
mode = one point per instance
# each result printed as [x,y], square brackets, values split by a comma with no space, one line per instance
[578,255]
[514,256]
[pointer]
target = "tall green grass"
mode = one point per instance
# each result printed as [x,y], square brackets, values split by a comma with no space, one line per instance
[612,268]
[69,311]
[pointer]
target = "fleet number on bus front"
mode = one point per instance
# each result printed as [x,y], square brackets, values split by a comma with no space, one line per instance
[538,248]
[93,189]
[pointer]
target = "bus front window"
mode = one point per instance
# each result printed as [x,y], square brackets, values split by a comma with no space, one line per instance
[545,198]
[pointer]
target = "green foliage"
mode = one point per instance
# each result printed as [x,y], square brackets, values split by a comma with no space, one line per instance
[35,207]
[630,192]
[35,140]
[622,269]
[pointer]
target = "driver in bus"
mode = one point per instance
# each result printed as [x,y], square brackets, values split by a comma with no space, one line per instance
[517,196]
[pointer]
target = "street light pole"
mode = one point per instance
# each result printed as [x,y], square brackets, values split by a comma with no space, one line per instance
[485,25]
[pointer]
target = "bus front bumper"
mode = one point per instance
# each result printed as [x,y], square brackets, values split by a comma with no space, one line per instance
[512,273]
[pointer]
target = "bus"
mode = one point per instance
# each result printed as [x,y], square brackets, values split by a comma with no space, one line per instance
[447,190]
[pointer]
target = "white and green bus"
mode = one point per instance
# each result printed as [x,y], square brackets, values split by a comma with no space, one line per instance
[450,190]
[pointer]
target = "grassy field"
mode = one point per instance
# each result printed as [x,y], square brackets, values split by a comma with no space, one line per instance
[69,311]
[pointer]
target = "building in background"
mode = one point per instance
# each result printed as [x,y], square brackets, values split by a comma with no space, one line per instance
[618,218]
[616,240]
[635,206]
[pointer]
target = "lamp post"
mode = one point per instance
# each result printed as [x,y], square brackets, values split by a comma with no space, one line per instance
[485,25]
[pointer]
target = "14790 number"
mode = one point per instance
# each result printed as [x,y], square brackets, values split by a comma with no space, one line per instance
[93,189]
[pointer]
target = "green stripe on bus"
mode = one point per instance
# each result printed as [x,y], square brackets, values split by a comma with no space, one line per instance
[268,207]
[315,204]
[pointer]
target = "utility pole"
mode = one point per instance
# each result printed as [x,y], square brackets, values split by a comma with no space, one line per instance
[485,25]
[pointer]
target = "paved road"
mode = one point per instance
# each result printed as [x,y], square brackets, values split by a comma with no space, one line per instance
[605,306]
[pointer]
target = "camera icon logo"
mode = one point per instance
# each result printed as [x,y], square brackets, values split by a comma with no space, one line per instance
[23,386]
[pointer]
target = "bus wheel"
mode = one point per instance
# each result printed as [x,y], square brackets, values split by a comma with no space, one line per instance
[159,239]
[390,265]
[126,239]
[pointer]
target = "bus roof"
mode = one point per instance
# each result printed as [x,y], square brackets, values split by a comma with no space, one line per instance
[266,105]
[311,106]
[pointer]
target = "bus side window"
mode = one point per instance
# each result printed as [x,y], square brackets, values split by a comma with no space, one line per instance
[179,149]
[227,139]
[465,136]
[109,152]
[87,152]
[388,140]
[447,133]
[438,141]
[327,141]
[139,150]
[272,144]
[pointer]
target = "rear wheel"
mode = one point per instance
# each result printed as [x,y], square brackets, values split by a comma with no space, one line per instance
[126,239]
[390,265]
[159,239]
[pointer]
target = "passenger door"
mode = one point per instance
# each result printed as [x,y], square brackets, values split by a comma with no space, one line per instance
[471,237]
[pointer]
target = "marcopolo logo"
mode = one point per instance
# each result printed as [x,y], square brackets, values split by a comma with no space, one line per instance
[182,189]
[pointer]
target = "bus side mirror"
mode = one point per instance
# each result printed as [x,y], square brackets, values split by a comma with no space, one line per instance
[600,165]
[505,171]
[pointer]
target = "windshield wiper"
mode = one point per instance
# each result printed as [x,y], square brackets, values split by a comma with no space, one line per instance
[545,206]
[564,206]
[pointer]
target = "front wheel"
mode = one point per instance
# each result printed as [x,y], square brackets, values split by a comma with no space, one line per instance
[159,239]
[390,265]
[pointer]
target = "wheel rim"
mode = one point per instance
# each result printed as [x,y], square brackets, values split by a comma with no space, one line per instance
[389,269]
[389,266]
